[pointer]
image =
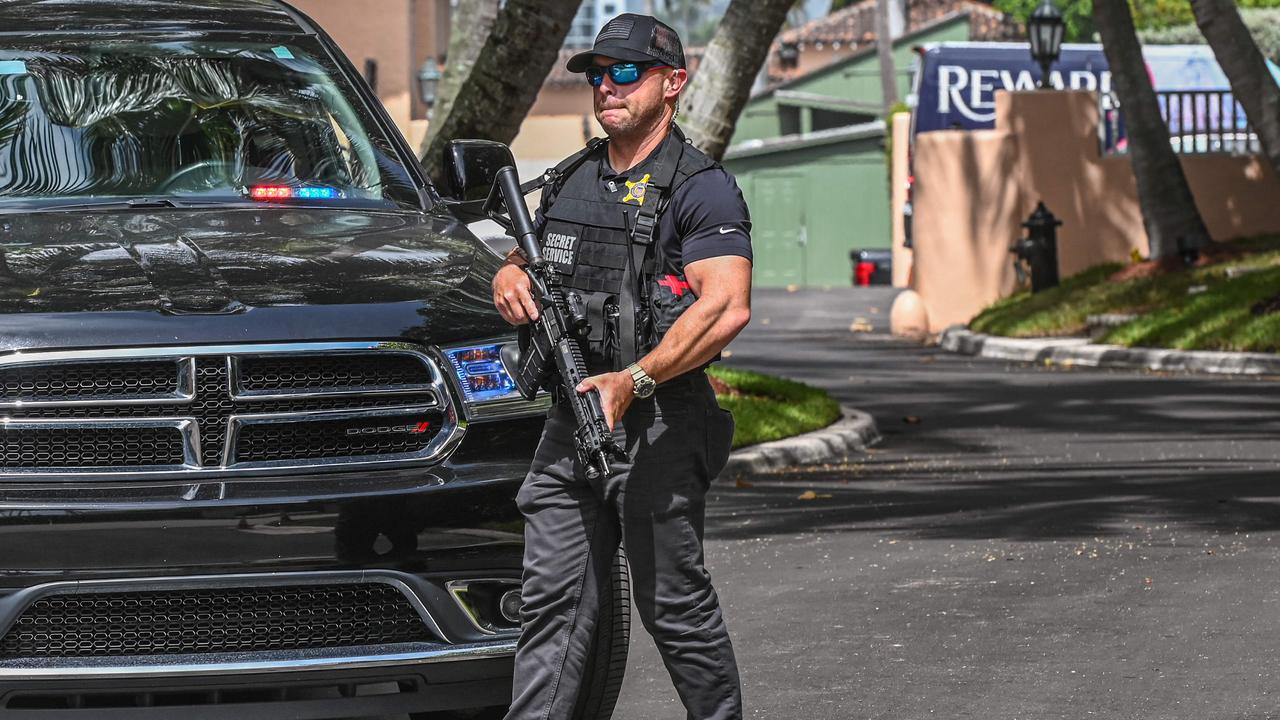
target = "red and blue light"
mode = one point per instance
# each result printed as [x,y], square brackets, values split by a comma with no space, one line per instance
[290,192]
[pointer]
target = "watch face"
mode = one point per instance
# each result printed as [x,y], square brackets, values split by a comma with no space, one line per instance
[644,385]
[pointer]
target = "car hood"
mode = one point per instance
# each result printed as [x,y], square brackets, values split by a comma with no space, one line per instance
[263,274]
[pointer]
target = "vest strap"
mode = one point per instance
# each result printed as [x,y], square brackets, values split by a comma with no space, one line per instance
[635,286]
[566,167]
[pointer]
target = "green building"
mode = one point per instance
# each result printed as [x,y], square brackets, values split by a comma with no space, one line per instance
[810,157]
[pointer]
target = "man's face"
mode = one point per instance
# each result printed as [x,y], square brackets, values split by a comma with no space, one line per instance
[625,109]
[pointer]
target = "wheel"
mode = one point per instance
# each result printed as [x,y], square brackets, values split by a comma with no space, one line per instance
[606,658]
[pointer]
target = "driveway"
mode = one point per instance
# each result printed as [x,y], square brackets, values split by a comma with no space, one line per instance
[1024,543]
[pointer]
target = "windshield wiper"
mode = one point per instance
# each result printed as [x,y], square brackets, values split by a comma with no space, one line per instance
[140,203]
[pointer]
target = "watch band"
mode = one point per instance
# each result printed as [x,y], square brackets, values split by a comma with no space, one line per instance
[642,385]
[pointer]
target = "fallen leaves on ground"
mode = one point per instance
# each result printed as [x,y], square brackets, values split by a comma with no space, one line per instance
[861,325]
[811,495]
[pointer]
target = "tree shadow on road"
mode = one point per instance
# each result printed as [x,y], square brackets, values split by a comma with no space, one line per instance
[1009,498]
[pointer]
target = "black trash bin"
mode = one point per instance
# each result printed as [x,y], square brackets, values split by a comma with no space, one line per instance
[872,267]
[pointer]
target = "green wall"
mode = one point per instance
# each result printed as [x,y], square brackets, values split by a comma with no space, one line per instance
[810,206]
[813,203]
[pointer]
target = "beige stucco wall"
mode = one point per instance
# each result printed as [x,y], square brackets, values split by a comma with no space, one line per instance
[399,34]
[966,206]
[372,29]
[972,190]
[553,137]
[561,99]
[899,170]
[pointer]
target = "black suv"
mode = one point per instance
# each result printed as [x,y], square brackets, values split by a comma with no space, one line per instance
[259,450]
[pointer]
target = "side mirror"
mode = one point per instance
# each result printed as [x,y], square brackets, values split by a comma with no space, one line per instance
[471,166]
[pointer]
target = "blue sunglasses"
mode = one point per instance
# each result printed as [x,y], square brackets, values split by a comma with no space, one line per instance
[622,73]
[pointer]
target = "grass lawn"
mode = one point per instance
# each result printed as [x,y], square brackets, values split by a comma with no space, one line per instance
[1196,309]
[769,408]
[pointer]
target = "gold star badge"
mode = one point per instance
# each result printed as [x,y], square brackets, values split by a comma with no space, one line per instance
[635,190]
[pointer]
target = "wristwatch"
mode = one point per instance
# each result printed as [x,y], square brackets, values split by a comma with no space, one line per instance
[644,385]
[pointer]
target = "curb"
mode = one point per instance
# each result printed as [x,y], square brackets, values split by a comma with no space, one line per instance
[1079,352]
[850,435]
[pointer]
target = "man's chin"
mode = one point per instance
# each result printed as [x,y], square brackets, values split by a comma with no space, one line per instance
[612,120]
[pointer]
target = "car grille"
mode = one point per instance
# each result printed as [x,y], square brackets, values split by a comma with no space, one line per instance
[220,409]
[213,620]
[158,379]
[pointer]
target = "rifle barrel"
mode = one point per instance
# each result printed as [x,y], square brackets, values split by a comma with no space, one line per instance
[521,224]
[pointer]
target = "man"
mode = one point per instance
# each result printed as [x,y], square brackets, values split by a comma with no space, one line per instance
[654,237]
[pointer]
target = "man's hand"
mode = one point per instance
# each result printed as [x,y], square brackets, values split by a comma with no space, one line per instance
[513,295]
[617,390]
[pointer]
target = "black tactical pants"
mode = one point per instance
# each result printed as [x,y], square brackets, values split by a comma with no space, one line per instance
[676,441]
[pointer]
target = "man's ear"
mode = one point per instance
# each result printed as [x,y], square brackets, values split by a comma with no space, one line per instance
[676,81]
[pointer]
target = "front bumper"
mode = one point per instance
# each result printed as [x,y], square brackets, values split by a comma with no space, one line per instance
[416,530]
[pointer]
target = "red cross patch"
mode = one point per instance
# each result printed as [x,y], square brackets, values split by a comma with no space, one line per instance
[674,284]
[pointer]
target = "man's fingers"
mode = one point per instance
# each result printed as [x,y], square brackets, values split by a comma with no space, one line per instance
[512,307]
[503,310]
[530,307]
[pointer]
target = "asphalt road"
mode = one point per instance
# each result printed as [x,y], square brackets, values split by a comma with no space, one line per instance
[1024,543]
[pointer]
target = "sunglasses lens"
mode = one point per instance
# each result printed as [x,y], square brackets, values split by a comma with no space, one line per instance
[624,73]
[595,76]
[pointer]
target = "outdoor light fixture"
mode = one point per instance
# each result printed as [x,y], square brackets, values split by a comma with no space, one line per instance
[1044,30]
[788,55]
[429,82]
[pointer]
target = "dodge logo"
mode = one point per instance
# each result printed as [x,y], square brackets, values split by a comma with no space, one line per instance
[380,429]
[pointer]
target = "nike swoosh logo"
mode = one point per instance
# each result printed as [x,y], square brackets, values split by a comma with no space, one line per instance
[725,231]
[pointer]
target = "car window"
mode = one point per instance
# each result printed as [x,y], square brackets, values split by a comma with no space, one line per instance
[199,119]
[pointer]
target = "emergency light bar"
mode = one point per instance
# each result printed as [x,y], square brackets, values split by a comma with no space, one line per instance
[286,192]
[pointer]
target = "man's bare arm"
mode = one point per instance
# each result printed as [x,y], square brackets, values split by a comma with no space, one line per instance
[723,308]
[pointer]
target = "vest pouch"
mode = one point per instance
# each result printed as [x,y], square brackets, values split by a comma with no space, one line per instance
[601,344]
[669,297]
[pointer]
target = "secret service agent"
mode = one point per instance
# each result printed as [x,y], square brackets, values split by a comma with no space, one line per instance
[654,238]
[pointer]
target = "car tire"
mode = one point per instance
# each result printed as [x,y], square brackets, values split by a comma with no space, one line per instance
[606,658]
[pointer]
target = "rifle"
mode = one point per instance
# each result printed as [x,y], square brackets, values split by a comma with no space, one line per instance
[553,347]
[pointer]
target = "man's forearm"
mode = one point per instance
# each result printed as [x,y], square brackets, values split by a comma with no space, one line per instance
[697,336]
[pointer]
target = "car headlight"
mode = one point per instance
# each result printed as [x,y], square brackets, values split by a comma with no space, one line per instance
[488,391]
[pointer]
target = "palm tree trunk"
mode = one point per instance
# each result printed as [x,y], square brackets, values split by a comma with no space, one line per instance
[487,92]
[884,52]
[1246,68]
[722,84]
[472,22]
[1169,211]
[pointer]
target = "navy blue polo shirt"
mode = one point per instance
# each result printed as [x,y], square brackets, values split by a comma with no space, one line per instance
[706,217]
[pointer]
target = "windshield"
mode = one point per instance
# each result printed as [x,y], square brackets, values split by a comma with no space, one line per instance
[83,121]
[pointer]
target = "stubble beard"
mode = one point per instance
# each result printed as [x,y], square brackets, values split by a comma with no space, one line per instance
[634,125]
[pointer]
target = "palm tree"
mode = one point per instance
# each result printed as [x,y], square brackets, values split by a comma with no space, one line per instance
[722,84]
[1246,68]
[489,86]
[884,51]
[1169,211]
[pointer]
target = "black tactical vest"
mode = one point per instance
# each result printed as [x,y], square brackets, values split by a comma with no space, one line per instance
[603,248]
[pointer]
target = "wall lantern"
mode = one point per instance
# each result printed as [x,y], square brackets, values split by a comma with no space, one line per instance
[788,55]
[1044,30]
[429,82]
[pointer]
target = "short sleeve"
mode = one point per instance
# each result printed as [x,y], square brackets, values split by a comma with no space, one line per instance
[711,218]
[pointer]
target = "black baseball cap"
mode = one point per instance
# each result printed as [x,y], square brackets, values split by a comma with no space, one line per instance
[634,38]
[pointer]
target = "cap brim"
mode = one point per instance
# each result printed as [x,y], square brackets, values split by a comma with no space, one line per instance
[583,60]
